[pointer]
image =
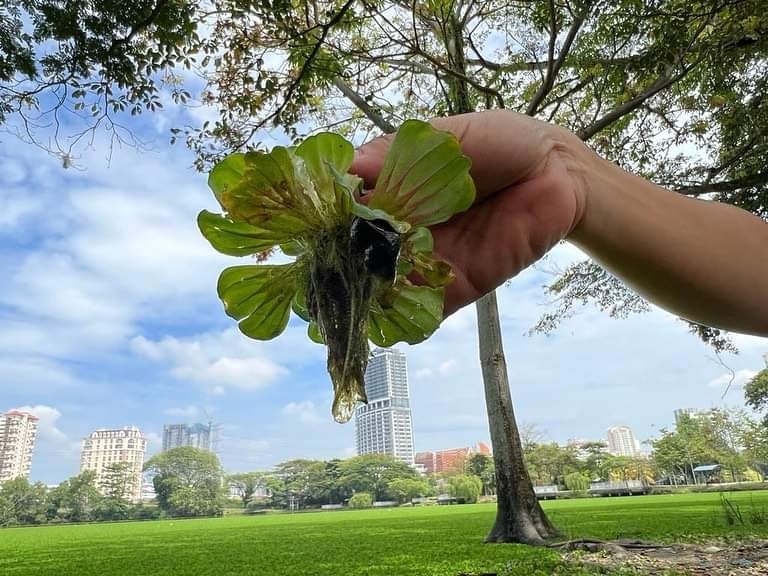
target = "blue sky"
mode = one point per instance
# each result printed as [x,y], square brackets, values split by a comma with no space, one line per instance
[109,317]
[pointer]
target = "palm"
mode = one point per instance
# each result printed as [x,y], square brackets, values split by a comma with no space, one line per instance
[506,232]
[527,199]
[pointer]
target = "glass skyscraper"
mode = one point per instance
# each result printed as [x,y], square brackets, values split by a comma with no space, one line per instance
[383,426]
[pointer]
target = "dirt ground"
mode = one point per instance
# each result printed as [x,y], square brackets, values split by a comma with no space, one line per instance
[711,559]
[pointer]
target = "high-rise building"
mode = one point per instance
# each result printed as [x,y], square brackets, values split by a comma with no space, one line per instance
[18,432]
[622,442]
[197,435]
[105,447]
[383,426]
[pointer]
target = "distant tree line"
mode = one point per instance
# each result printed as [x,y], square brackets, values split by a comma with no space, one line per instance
[190,482]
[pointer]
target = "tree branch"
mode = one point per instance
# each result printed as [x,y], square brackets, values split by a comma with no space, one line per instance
[758,179]
[553,67]
[383,124]
[661,83]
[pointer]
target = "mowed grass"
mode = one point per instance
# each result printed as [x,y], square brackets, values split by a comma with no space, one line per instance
[432,541]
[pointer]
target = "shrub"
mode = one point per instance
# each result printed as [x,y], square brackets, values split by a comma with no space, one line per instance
[577,482]
[361,500]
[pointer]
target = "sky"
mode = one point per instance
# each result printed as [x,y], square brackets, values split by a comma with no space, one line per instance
[109,318]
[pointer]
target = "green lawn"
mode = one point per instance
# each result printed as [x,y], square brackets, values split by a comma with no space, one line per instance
[406,541]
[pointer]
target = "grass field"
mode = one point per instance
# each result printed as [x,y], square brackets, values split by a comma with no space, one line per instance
[433,541]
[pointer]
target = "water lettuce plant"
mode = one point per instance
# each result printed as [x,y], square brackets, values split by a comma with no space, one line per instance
[355,257]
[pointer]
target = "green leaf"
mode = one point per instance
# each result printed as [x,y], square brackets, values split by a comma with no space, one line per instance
[411,314]
[259,296]
[327,158]
[425,178]
[274,194]
[299,303]
[313,331]
[234,238]
[226,174]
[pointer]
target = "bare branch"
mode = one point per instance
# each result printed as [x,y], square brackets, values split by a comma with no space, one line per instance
[553,67]
[383,124]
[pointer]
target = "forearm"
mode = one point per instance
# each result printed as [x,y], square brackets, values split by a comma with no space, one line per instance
[704,261]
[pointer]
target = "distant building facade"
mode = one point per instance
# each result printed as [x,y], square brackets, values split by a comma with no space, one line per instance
[681,414]
[451,460]
[384,425]
[105,447]
[196,435]
[18,434]
[622,441]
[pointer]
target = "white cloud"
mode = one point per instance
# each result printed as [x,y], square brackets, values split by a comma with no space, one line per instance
[736,379]
[305,412]
[47,426]
[191,360]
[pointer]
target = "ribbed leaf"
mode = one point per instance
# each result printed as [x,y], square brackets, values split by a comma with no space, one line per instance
[412,314]
[226,174]
[425,178]
[259,296]
[234,238]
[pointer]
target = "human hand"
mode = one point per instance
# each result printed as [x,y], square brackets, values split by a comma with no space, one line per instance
[531,193]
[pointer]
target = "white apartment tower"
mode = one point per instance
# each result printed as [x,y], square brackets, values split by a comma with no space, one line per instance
[105,447]
[383,426]
[622,442]
[18,432]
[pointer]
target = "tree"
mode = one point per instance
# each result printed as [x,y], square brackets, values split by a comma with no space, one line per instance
[22,502]
[372,473]
[79,497]
[406,489]
[641,81]
[714,437]
[117,481]
[68,68]
[481,465]
[248,483]
[306,480]
[465,486]
[756,391]
[188,481]
[361,500]
[576,481]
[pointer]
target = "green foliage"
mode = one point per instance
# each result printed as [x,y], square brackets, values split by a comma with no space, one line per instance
[248,483]
[349,279]
[373,473]
[82,63]
[22,502]
[188,481]
[756,392]
[465,486]
[361,500]
[406,541]
[726,437]
[406,489]
[482,466]
[577,481]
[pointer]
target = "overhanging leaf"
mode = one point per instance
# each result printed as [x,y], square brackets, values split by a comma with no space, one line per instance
[425,178]
[259,296]
[226,174]
[234,238]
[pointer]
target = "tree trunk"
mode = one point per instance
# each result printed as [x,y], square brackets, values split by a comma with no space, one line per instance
[519,516]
